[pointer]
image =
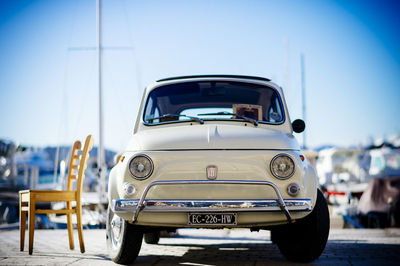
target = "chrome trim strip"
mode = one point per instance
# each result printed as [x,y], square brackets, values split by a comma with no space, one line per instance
[141,204]
[188,205]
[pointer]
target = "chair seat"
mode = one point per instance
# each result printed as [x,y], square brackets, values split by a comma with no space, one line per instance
[62,211]
[48,195]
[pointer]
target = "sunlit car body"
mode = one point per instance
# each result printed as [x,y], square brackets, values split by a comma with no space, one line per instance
[213,152]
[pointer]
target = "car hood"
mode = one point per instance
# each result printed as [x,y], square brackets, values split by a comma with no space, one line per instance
[211,136]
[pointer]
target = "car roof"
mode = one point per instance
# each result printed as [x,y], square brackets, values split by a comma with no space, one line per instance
[214,76]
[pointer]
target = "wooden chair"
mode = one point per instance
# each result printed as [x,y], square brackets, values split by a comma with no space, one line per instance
[29,198]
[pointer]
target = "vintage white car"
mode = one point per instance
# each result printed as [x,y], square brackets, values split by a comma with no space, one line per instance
[215,151]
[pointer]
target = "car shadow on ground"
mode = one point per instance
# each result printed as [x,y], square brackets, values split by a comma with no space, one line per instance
[220,254]
[343,252]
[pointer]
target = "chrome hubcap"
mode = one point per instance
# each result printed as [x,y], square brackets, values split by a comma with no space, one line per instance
[116,230]
[116,226]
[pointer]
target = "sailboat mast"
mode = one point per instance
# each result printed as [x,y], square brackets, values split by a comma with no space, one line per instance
[100,153]
[303,97]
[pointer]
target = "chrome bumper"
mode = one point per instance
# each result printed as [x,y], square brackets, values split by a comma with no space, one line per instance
[169,205]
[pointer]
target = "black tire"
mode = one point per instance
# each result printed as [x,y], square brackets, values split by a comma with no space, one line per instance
[152,237]
[305,240]
[124,240]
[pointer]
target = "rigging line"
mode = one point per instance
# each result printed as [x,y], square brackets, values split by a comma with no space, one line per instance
[124,11]
[118,99]
[64,105]
[135,62]
[63,118]
[86,96]
[73,24]
[117,96]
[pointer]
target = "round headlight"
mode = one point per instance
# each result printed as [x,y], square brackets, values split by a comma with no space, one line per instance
[282,166]
[141,166]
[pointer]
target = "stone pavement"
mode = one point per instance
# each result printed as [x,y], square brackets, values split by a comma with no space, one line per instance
[204,247]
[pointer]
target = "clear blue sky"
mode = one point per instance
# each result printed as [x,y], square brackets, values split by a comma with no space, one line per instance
[48,92]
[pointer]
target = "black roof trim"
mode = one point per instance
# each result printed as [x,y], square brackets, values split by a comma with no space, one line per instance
[215,76]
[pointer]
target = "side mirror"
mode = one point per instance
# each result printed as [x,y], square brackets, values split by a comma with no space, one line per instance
[298,125]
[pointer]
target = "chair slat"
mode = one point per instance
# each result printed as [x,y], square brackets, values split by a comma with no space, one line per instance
[57,196]
[62,211]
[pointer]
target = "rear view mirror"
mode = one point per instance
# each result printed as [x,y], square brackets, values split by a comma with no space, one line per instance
[298,125]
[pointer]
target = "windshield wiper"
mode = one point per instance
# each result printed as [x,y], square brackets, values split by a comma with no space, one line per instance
[248,119]
[201,121]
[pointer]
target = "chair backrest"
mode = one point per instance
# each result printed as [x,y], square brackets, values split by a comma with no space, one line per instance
[73,164]
[83,163]
[78,163]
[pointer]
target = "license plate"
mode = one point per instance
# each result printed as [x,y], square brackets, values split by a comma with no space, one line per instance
[212,219]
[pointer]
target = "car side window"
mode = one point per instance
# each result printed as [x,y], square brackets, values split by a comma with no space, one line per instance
[275,111]
[152,111]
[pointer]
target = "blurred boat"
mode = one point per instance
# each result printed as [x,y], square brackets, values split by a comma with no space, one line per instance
[362,184]
[335,165]
[351,170]
[381,163]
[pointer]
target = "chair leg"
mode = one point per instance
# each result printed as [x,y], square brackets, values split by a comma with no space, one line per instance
[70,227]
[79,226]
[31,217]
[22,226]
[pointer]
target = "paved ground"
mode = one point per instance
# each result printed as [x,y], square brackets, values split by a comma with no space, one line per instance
[204,247]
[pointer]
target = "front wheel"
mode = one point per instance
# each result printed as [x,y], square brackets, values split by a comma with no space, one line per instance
[305,240]
[124,240]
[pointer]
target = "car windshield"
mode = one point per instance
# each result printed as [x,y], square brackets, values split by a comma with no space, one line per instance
[213,100]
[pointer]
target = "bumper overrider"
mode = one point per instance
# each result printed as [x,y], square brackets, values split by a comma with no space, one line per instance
[136,206]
